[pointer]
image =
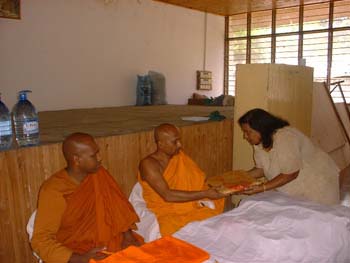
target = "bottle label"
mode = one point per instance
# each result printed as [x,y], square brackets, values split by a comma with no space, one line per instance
[5,128]
[31,127]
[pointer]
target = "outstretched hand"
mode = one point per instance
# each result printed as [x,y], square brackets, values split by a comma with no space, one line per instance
[253,190]
[94,253]
[213,193]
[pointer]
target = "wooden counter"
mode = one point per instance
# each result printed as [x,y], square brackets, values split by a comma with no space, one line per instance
[101,122]
[124,135]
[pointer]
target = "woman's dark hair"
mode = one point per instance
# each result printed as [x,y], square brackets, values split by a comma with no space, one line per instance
[264,123]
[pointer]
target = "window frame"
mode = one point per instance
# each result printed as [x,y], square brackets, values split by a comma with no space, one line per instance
[301,32]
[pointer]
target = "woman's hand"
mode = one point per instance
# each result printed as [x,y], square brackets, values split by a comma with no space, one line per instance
[276,182]
[254,190]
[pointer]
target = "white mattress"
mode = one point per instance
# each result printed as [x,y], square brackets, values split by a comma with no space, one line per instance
[273,227]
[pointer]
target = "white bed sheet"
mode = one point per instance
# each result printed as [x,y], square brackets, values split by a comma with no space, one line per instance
[267,227]
[273,227]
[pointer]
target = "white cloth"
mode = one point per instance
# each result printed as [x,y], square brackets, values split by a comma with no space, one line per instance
[30,230]
[148,226]
[293,151]
[274,227]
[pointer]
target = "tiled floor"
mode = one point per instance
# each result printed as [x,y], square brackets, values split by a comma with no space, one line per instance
[345,187]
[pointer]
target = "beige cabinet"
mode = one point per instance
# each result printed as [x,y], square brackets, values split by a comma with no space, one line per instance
[283,90]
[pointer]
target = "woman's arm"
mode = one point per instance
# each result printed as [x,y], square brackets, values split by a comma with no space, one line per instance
[276,182]
[256,172]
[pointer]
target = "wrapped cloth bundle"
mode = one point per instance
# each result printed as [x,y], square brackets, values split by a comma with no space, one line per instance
[232,181]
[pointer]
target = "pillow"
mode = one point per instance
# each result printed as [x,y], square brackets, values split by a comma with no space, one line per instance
[158,88]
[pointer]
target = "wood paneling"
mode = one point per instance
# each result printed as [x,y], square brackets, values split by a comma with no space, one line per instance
[24,170]
[283,90]
[326,129]
[231,7]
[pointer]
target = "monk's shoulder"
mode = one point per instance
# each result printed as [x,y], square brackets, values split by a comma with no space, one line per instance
[150,160]
[58,183]
[149,164]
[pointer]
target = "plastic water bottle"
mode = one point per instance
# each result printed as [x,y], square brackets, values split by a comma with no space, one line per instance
[5,127]
[143,90]
[26,121]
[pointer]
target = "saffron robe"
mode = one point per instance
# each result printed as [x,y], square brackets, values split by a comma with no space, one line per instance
[181,174]
[166,249]
[75,217]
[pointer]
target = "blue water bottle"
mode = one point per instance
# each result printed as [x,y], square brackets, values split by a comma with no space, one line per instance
[143,90]
[5,127]
[26,121]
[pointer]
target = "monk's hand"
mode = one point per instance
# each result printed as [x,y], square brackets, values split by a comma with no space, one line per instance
[94,253]
[129,240]
[213,193]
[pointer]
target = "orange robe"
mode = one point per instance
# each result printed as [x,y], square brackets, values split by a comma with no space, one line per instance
[73,217]
[181,174]
[166,249]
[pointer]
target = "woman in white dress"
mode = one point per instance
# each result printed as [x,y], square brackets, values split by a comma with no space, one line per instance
[288,159]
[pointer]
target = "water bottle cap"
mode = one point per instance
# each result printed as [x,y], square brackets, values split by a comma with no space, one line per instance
[23,94]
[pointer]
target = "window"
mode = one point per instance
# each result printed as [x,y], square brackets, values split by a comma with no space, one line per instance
[287,50]
[237,55]
[260,50]
[317,33]
[261,23]
[315,51]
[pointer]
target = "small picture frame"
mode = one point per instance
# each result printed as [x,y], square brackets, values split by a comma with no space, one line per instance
[10,9]
[204,80]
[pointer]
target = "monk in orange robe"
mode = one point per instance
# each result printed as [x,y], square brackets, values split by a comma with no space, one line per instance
[81,209]
[173,185]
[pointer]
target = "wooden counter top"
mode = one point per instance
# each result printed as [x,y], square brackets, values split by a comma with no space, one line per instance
[100,122]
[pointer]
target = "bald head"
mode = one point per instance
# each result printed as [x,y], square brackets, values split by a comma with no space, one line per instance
[164,130]
[167,137]
[74,143]
[82,155]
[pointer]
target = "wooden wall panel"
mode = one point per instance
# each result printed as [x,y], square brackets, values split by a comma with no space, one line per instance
[24,170]
[326,130]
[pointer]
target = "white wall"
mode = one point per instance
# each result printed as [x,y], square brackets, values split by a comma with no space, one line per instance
[85,53]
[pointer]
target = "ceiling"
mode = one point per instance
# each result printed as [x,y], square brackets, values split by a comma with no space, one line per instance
[231,7]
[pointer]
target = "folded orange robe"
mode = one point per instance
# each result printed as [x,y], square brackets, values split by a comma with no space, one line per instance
[181,174]
[96,215]
[167,249]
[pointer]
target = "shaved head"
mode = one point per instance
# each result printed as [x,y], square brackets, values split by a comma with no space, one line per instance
[167,137]
[165,130]
[73,144]
[82,155]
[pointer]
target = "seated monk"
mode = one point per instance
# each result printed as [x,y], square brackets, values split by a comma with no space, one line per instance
[81,209]
[173,185]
